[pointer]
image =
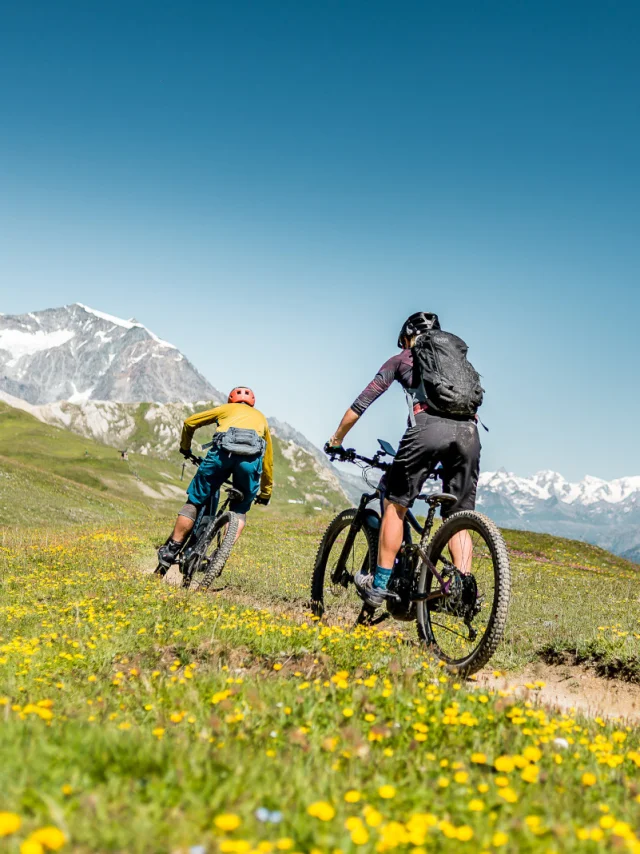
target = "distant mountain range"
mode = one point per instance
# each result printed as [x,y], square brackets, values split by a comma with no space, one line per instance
[603,512]
[115,381]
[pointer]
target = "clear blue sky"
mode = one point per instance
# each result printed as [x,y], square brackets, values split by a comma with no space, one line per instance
[274,186]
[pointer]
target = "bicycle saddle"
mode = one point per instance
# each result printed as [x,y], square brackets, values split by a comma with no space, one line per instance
[234,494]
[440,498]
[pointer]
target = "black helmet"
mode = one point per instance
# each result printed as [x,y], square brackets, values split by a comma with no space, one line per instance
[421,321]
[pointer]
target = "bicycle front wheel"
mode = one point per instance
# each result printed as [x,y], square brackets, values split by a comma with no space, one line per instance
[212,551]
[464,628]
[340,595]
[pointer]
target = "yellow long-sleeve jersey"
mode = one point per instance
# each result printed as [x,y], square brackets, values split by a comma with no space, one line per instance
[235,415]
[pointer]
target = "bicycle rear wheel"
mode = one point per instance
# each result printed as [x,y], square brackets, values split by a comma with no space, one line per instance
[211,552]
[464,628]
[341,597]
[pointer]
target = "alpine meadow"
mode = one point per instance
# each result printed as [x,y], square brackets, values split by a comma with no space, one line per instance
[141,717]
[319,466]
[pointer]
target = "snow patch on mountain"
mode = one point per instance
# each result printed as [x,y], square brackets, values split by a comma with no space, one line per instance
[21,343]
[126,324]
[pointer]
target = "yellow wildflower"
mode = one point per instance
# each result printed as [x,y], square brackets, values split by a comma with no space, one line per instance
[49,837]
[464,833]
[504,764]
[322,810]
[509,795]
[9,823]
[530,774]
[227,821]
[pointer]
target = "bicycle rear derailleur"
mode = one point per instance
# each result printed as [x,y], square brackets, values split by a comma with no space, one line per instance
[463,600]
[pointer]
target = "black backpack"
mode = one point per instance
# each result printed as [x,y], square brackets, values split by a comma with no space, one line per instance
[451,383]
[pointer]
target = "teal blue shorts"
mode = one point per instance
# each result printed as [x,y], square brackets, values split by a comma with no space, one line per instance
[219,466]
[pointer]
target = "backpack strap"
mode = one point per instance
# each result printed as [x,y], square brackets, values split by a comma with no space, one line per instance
[412,417]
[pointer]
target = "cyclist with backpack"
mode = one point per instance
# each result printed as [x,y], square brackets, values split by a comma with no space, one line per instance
[443,394]
[241,449]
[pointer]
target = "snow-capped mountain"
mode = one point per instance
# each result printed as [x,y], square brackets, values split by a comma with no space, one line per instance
[603,512]
[78,354]
[549,484]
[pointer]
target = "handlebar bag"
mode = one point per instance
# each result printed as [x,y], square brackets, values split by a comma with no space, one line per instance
[240,441]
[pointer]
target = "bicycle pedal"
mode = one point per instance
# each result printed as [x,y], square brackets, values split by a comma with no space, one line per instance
[380,619]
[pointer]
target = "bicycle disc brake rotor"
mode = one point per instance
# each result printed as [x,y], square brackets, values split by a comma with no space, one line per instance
[462,600]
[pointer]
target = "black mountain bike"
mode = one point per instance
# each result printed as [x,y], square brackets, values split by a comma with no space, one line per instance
[460,611]
[207,549]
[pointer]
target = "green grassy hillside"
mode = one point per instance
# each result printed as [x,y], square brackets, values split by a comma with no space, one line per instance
[30,498]
[145,479]
[41,461]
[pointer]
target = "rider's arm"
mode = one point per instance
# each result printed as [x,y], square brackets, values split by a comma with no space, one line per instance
[378,385]
[348,420]
[193,422]
[266,481]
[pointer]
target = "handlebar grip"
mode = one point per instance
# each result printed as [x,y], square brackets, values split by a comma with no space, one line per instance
[333,451]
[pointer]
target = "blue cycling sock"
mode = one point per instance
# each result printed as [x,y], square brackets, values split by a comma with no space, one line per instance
[381,577]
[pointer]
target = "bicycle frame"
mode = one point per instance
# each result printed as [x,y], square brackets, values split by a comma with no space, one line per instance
[205,510]
[341,576]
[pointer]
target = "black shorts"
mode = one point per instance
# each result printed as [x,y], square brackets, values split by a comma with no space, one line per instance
[434,440]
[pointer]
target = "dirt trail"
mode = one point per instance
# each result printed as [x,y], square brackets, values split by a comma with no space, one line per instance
[571,688]
[568,688]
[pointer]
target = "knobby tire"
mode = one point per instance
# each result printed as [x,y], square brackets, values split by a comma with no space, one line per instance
[339,524]
[469,520]
[218,556]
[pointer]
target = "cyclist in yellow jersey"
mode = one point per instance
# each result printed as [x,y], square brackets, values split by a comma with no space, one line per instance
[241,449]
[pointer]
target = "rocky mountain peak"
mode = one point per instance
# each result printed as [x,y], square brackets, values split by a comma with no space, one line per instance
[78,353]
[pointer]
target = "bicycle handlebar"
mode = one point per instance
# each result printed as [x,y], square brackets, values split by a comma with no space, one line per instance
[349,455]
[193,458]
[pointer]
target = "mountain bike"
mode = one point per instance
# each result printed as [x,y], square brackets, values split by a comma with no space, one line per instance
[208,546]
[460,612]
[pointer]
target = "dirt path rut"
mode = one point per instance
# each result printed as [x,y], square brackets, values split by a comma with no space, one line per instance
[570,688]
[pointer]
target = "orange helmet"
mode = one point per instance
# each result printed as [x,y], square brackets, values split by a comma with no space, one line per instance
[242,394]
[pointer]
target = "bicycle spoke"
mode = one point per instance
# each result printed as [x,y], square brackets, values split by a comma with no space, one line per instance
[446,628]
